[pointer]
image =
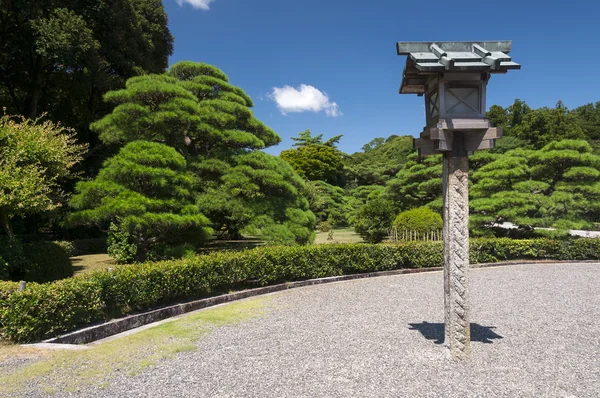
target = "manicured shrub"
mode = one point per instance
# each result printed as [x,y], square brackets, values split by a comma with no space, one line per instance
[373,221]
[421,220]
[45,310]
[49,309]
[47,261]
[40,261]
[6,290]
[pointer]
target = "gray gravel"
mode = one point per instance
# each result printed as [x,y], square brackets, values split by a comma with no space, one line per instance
[536,332]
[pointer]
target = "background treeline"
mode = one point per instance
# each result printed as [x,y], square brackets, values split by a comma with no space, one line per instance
[98,138]
[544,172]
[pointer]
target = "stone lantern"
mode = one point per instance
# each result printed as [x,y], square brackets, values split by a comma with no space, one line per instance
[453,76]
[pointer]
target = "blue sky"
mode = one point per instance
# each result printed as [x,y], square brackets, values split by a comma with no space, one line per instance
[332,64]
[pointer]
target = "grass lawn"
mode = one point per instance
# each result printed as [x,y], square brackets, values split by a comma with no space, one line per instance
[91,262]
[340,235]
[30,371]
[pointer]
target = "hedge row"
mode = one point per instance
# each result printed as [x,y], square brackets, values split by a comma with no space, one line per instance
[45,310]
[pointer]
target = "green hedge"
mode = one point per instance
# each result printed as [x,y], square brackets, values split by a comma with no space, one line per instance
[45,310]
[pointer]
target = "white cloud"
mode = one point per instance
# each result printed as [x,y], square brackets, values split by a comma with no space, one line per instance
[302,99]
[202,4]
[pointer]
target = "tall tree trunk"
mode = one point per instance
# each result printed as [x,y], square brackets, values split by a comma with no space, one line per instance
[5,222]
[36,89]
[141,253]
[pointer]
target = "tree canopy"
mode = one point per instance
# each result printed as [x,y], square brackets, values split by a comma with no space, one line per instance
[60,57]
[305,138]
[194,109]
[380,160]
[147,190]
[317,162]
[34,158]
[555,186]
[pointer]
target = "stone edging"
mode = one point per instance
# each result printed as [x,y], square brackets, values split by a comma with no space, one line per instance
[116,326]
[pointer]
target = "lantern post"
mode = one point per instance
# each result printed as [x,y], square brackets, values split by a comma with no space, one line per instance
[453,76]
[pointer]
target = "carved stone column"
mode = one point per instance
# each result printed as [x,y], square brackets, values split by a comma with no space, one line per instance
[456,251]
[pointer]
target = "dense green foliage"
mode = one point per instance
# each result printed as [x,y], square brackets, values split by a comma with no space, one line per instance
[421,220]
[374,220]
[537,127]
[417,184]
[195,110]
[60,57]
[329,203]
[317,162]
[49,309]
[380,160]
[120,245]
[147,191]
[34,159]
[589,119]
[556,186]
[36,261]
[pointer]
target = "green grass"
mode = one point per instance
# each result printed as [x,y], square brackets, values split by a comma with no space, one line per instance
[91,262]
[340,235]
[76,370]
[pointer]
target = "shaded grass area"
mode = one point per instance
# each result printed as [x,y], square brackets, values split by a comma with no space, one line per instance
[49,371]
[90,263]
[341,235]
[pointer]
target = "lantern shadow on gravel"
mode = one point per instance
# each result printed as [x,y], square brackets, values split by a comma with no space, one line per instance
[435,331]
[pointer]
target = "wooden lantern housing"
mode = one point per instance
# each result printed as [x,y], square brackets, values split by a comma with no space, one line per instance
[452,76]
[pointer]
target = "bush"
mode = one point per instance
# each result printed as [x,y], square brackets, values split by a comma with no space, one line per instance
[47,261]
[421,220]
[120,245]
[48,309]
[373,220]
[45,310]
[39,261]
[324,226]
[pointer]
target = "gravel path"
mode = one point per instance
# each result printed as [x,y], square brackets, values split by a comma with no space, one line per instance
[536,333]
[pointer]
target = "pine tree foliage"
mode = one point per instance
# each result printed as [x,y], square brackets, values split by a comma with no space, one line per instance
[258,194]
[194,109]
[417,184]
[305,138]
[556,186]
[147,191]
[380,160]
[329,203]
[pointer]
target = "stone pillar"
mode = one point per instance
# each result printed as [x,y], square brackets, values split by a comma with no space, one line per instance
[456,251]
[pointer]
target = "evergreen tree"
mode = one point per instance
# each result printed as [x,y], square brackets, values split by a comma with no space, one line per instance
[556,186]
[147,191]
[417,184]
[317,162]
[194,109]
[305,138]
[380,160]
[329,203]
[60,57]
